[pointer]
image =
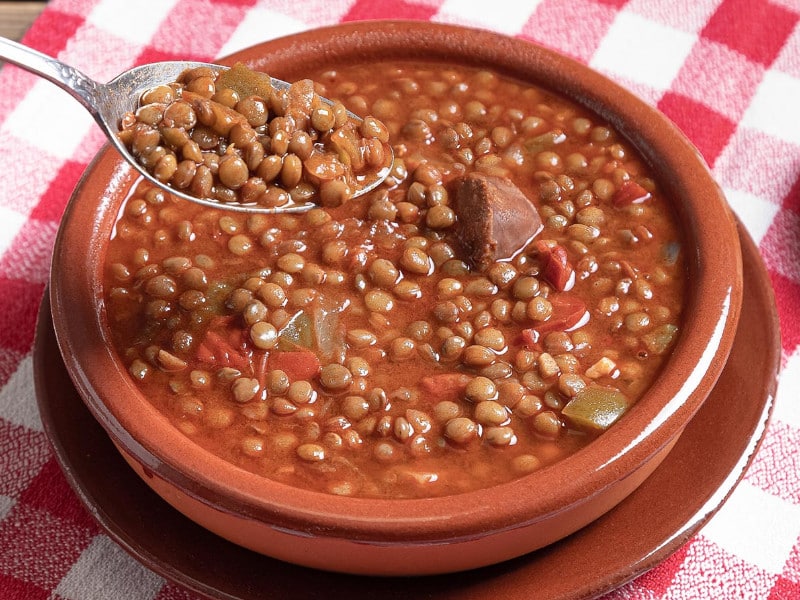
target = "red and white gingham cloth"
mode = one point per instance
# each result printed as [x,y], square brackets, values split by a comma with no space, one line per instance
[726,71]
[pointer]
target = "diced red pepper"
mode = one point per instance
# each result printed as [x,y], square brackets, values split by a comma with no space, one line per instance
[530,337]
[568,312]
[218,351]
[260,363]
[556,269]
[446,386]
[205,354]
[628,193]
[298,365]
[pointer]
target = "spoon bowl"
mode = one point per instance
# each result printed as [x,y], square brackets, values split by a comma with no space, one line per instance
[108,102]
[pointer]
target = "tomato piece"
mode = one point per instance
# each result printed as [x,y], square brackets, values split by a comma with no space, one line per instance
[204,354]
[556,269]
[447,386]
[628,193]
[217,351]
[530,337]
[569,312]
[224,345]
[298,365]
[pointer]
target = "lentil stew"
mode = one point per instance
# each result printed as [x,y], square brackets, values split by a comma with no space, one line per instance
[418,341]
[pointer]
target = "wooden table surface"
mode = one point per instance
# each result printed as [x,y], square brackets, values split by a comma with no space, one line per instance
[16,17]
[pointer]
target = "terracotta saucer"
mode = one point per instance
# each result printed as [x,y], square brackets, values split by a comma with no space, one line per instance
[645,529]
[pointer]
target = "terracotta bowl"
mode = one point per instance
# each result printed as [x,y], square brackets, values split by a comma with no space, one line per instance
[410,537]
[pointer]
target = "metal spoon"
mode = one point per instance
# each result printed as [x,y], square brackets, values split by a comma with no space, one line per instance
[108,102]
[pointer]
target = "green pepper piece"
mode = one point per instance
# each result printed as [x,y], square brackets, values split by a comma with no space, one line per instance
[298,332]
[595,408]
[245,81]
[660,339]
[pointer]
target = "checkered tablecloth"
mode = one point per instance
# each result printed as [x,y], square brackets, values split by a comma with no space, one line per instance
[726,71]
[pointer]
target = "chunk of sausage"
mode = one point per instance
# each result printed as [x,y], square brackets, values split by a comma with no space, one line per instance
[495,220]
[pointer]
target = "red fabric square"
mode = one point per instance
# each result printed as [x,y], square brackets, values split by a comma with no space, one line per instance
[174,34]
[582,38]
[712,71]
[362,10]
[51,31]
[49,491]
[784,589]
[151,55]
[707,129]
[792,200]
[23,452]
[39,548]
[55,198]
[756,28]
[16,589]
[19,305]
[787,299]
[236,3]
[614,3]
[657,580]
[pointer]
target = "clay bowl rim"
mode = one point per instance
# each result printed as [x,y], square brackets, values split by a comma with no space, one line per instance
[656,420]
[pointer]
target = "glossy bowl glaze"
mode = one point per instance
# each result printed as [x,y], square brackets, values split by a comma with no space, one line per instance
[437,535]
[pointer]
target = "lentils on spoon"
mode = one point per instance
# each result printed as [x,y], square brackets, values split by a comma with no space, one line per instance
[230,136]
[112,104]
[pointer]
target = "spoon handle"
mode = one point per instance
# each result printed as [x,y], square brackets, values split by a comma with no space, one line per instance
[71,80]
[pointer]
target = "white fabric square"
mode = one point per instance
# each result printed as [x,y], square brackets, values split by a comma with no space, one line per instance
[51,120]
[132,21]
[324,14]
[774,107]
[99,54]
[6,504]
[787,404]
[260,25]
[782,245]
[16,397]
[22,187]
[769,172]
[755,212]
[104,570]
[790,4]
[10,223]
[29,256]
[505,16]
[788,60]
[757,527]
[642,50]
[690,16]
